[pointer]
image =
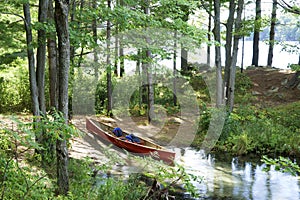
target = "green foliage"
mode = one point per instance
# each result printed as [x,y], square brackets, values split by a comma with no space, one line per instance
[281,164]
[249,130]
[17,178]
[114,189]
[14,90]
[295,67]
[22,177]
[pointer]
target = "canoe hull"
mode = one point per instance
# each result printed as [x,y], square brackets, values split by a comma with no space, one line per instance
[155,151]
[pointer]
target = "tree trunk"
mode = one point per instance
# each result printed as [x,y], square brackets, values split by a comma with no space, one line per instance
[144,88]
[228,47]
[209,32]
[40,73]
[108,63]
[62,29]
[149,73]
[116,50]
[31,61]
[41,54]
[138,73]
[72,19]
[121,54]
[175,70]
[53,79]
[52,61]
[217,35]
[237,37]
[272,34]
[184,52]
[243,46]
[95,38]
[121,49]
[151,115]
[257,27]
[184,60]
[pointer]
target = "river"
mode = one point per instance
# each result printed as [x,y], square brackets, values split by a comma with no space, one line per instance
[225,177]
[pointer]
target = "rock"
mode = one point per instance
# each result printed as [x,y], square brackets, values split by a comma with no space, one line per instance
[280,96]
[284,81]
[256,93]
[298,86]
[273,90]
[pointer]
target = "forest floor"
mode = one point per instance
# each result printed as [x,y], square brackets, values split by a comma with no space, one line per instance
[270,86]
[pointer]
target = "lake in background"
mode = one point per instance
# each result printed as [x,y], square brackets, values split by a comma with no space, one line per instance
[281,59]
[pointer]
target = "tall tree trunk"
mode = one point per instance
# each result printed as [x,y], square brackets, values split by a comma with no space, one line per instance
[175,70]
[272,34]
[62,29]
[72,19]
[31,61]
[151,115]
[108,63]
[184,60]
[121,49]
[138,73]
[228,47]
[144,88]
[243,45]
[95,38]
[41,54]
[53,78]
[217,35]
[116,50]
[149,72]
[40,72]
[184,52]
[237,37]
[209,32]
[52,61]
[116,61]
[257,27]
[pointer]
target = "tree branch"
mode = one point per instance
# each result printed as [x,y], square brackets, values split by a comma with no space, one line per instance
[292,9]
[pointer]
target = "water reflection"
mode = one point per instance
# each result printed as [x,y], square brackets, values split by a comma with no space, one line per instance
[238,179]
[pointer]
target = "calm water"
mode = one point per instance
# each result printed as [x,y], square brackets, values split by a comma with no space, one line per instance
[235,179]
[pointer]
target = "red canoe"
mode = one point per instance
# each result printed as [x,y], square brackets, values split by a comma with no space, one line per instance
[145,147]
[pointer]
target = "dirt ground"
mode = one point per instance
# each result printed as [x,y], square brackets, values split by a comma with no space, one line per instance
[270,86]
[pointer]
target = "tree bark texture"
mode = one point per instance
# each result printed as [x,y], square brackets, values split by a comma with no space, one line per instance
[150,88]
[228,46]
[272,34]
[62,28]
[41,54]
[257,27]
[52,61]
[95,38]
[175,70]
[236,39]
[217,35]
[108,63]
[209,33]
[31,61]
